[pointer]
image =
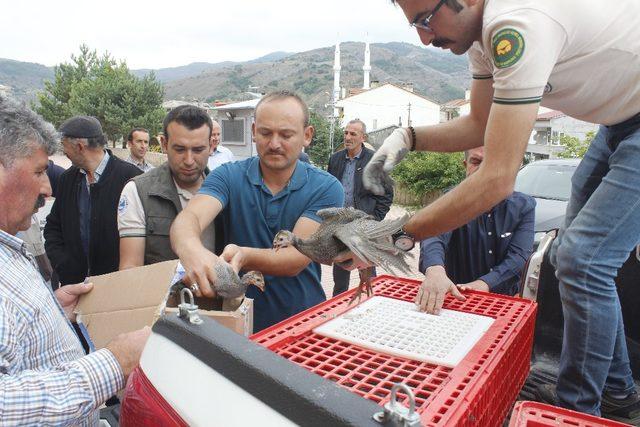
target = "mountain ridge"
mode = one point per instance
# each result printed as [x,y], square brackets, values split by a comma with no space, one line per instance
[435,74]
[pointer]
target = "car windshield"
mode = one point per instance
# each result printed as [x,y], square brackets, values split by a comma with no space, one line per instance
[546,181]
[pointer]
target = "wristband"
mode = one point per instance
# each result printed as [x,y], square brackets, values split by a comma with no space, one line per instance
[413,138]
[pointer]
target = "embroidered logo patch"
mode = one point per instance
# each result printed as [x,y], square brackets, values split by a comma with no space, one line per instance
[507,47]
[122,205]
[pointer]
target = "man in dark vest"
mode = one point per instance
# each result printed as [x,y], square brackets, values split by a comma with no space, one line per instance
[150,202]
[81,234]
[347,166]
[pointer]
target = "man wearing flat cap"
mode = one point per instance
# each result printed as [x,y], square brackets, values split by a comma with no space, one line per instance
[81,234]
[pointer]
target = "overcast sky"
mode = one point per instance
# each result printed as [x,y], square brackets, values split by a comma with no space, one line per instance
[150,34]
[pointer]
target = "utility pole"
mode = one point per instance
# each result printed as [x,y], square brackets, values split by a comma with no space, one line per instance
[409,115]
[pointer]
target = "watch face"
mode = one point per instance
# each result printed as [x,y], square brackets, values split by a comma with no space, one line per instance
[404,243]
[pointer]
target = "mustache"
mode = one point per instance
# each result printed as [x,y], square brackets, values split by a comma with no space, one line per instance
[440,42]
[40,201]
[275,152]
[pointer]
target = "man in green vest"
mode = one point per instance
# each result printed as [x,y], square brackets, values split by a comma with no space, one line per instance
[149,204]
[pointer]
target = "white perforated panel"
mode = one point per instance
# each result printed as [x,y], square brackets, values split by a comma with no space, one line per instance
[396,327]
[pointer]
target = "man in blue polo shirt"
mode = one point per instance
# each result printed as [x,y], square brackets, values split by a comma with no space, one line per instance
[486,254]
[259,197]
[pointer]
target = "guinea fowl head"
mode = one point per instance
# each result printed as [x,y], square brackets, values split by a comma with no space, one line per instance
[254,278]
[283,239]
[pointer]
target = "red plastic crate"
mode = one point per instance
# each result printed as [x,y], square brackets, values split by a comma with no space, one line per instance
[479,391]
[534,414]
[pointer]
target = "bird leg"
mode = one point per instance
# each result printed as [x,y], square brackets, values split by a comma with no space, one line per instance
[364,286]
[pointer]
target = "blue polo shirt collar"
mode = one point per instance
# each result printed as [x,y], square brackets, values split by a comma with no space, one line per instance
[297,181]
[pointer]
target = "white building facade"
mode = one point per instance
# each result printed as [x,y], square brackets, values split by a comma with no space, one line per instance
[550,125]
[388,105]
[236,120]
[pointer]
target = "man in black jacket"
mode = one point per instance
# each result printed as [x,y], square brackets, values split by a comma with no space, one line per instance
[81,234]
[347,166]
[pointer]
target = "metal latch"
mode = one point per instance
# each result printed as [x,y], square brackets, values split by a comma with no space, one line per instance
[188,310]
[397,414]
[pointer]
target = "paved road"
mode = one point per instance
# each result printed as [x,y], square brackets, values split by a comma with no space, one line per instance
[327,271]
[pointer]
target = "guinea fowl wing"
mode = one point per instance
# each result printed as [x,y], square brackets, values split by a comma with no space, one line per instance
[341,215]
[371,241]
[322,246]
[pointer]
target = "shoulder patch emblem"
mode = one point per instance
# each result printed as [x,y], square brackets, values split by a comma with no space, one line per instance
[123,204]
[507,47]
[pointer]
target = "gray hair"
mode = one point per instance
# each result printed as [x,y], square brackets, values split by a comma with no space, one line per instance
[22,131]
[361,123]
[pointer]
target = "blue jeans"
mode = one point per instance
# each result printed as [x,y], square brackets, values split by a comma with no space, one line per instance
[602,226]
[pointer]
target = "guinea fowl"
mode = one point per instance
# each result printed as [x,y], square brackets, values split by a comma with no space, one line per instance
[228,284]
[348,229]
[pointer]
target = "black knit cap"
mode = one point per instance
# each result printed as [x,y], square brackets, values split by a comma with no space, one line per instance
[81,127]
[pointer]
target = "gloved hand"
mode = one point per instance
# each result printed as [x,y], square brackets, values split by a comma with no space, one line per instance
[375,176]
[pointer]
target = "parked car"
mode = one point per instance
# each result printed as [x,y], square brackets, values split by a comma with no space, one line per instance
[549,182]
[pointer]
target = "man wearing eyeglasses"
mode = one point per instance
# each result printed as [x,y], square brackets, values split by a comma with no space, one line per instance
[584,60]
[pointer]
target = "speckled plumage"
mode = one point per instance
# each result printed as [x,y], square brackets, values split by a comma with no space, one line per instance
[348,229]
[345,229]
[230,285]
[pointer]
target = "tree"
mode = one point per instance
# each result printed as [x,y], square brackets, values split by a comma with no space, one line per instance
[573,147]
[102,87]
[320,150]
[422,173]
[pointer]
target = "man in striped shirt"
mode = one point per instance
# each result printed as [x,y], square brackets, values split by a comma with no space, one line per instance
[45,378]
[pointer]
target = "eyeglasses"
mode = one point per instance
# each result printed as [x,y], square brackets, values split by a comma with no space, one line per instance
[425,23]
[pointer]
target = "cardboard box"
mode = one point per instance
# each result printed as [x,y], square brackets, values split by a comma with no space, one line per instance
[127,300]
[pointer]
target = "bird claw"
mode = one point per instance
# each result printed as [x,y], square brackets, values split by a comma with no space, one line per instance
[362,287]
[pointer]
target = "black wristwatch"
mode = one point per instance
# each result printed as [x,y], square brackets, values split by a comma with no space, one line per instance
[403,241]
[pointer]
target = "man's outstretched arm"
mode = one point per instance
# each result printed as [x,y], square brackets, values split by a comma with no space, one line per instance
[284,262]
[459,134]
[506,137]
[185,233]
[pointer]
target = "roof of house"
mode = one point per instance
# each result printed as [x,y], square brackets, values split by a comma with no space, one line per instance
[553,114]
[382,129]
[387,84]
[242,105]
[455,103]
[173,103]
